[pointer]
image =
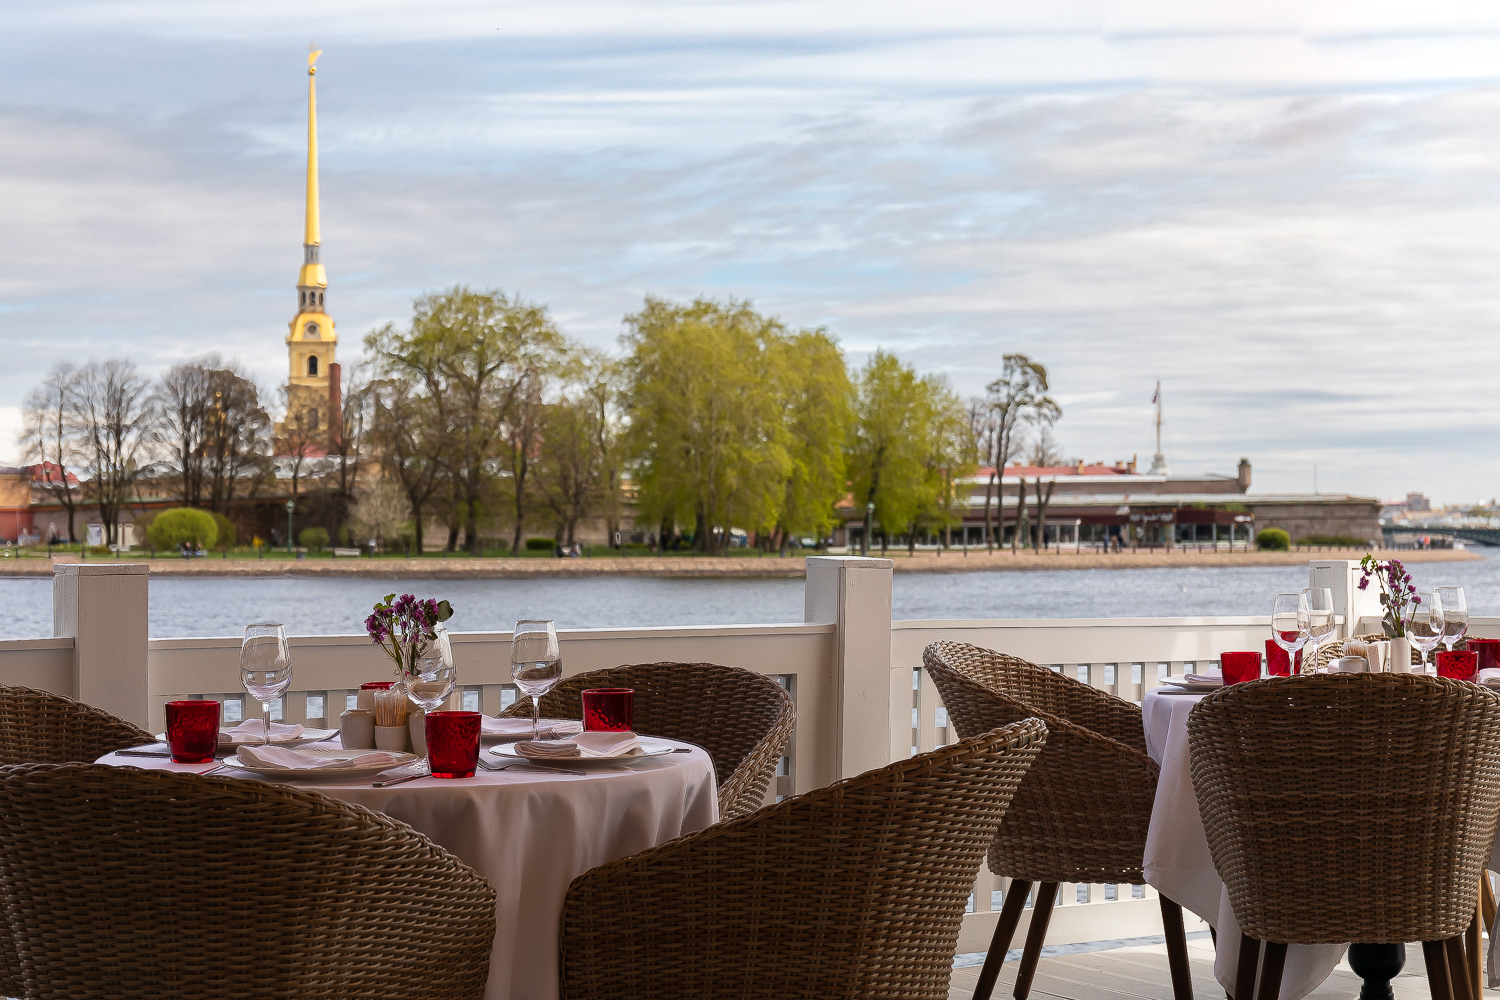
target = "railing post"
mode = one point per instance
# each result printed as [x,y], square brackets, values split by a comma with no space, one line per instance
[103,607]
[1342,577]
[870,714]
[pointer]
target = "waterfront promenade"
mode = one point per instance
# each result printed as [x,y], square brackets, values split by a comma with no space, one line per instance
[675,566]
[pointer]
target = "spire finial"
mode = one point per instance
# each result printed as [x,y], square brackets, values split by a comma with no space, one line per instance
[314,230]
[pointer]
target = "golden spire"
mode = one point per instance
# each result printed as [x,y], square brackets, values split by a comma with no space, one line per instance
[313,275]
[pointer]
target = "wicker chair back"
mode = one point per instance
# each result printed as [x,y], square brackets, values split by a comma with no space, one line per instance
[857,889]
[39,727]
[742,718]
[118,881]
[1349,807]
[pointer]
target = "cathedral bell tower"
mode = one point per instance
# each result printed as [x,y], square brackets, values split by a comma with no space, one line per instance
[311,340]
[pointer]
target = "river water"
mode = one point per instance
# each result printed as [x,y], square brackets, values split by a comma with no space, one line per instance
[224,605]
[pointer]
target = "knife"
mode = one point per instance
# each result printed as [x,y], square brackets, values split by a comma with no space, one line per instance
[387,782]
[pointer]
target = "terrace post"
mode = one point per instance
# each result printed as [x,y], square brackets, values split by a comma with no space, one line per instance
[1342,577]
[854,593]
[103,608]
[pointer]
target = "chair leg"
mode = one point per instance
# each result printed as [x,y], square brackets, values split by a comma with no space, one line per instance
[1177,955]
[1245,969]
[1474,945]
[1036,935]
[1005,930]
[1435,954]
[1487,899]
[1458,968]
[1272,963]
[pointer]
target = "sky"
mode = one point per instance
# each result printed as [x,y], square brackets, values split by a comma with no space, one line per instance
[1287,212]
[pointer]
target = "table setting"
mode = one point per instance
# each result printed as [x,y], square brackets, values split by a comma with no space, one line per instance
[1177,861]
[529,804]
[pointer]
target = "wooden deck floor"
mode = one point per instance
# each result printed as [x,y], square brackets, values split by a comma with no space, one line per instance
[1140,973]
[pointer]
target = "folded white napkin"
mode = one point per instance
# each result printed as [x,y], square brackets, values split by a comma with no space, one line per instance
[521,728]
[253,730]
[584,745]
[1204,678]
[1490,675]
[274,756]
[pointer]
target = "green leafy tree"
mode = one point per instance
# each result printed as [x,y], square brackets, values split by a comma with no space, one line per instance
[816,400]
[573,467]
[315,539]
[481,360]
[171,528]
[890,450]
[706,428]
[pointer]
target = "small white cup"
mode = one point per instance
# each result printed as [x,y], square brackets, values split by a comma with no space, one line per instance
[357,729]
[391,738]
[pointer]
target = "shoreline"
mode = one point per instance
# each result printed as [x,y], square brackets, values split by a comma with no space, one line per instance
[738,567]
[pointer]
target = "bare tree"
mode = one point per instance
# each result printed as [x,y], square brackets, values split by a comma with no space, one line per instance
[214,431]
[1043,451]
[982,426]
[48,436]
[347,443]
[1018,395]
[114,418]
[301,442]
[407,435]
[380,509]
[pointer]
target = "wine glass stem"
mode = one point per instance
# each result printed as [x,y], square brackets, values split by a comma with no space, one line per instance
[536,717]
[265,707]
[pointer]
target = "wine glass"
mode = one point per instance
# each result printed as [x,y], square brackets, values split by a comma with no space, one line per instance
[1291,624]
[1455,614]
[1320,622]
[535,664]
[1425,630]
[435,676]
[265,666]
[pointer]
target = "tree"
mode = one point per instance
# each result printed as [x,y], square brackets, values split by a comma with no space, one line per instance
[48,440]
[573,474]
[301,442]
[114,427]
[705,428]
[1043,451]
[346,446]
[214,430]
[405,432]
[380,510]
[474,353]
[172,528]
[886,452]
[1018,396]
[816,397]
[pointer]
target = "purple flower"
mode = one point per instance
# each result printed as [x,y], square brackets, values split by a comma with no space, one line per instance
[1364,583]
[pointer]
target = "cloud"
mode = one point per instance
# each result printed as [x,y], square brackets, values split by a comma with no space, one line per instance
[1283,212]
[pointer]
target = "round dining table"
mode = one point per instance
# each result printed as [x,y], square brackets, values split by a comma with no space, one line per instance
[1177,860]
[529,833]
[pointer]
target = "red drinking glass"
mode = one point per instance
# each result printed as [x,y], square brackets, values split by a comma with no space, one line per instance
[1278,663]
[193,730]
[1459,664]
[453,744]
[609,710]
[377,685]
[1488,651]
[1240,667]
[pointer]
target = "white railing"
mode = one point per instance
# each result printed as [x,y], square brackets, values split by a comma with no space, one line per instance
[853,673]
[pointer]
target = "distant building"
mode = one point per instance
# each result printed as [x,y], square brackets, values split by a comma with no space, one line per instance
[313,405]
[1102,503]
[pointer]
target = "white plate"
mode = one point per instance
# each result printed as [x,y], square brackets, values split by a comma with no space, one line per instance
[1191,685]
[331,753]
[1172,689]
[277,739]
[509,751]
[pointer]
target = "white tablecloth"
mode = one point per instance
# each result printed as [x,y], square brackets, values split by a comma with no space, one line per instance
[1177,861]
[530,835]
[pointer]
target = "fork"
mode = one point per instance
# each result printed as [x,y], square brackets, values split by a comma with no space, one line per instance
[534,769]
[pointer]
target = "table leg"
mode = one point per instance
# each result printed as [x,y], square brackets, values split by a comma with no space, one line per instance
[1377,965]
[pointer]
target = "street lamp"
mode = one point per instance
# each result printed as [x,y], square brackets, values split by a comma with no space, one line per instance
[291,505]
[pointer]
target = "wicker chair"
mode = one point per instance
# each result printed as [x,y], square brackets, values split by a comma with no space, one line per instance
[124,882]
[857,889]
[1350,807]
[743,719]
[38,727]
[1082,812]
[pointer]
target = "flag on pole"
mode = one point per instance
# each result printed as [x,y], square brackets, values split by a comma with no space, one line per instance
[1154,394]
